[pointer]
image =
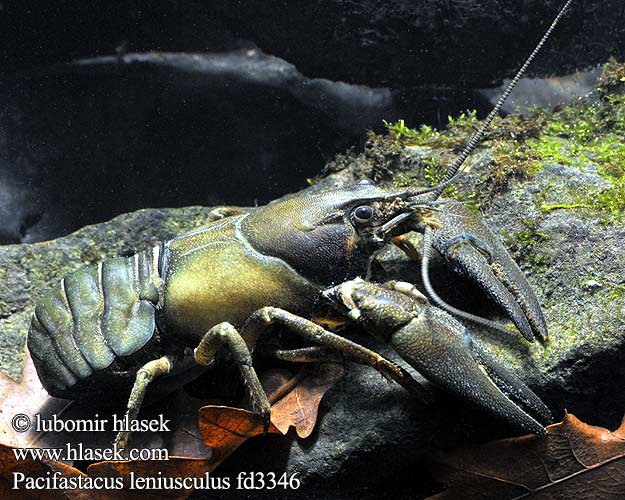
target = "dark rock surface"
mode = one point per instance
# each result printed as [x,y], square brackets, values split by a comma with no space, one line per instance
[373,42]
[84,142]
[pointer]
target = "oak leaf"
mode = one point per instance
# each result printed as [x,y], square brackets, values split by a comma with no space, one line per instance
[224,429]
[295,403]
[573,460]
[299,407]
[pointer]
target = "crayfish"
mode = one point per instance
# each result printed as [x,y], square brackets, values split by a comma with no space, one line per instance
[145,321]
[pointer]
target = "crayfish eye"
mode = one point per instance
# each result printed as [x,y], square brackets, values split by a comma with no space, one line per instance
[362,214]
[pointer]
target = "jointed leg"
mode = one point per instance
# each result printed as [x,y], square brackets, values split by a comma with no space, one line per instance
[315,333]
[314,354]
[146,374]
[226,334]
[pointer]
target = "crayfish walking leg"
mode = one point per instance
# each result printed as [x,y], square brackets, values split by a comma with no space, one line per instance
[146,374]
[313,332]
[226,334]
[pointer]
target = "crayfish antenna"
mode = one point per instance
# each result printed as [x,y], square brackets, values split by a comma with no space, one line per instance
[434,297]
[453,172]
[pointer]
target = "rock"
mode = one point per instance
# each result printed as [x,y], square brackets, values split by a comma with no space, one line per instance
[559,214]
[547,93]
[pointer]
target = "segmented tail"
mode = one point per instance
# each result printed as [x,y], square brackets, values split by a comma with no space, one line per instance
[96,319]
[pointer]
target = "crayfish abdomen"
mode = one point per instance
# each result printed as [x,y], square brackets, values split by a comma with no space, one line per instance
[97,324]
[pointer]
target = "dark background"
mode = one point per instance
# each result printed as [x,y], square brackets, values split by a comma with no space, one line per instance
[273,91]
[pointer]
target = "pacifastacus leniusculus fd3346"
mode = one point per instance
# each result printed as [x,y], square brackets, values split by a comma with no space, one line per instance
[149,320]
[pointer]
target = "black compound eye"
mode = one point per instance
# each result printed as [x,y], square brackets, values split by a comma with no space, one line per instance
[363,214]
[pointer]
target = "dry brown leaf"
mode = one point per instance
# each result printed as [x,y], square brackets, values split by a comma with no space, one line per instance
[224,429]
[299,408]
[27,397]
[574,460]
[9,466]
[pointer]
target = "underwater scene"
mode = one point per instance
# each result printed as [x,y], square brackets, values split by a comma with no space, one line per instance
[332,250]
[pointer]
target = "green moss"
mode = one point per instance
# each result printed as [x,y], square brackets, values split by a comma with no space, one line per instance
[509,163]
[422,136]
[458,132]
[528,245]
[585,134]
[434,166]
[581,135]
[465,122]
[611,200]
[435,173]
[617,292]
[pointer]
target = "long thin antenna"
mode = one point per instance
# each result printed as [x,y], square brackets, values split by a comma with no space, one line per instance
[434,297]
[477,137]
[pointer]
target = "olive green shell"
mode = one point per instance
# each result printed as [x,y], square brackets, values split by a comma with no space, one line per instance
[214,275]
[97,320]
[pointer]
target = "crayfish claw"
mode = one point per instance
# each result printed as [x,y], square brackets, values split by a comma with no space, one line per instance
[474,251]
[511,386]
[439,347]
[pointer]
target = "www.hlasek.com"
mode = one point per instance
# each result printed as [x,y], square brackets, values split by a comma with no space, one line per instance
[22,423]
[79,452]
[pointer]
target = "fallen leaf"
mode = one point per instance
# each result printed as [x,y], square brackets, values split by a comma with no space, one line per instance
[27,397]
[299,407]
[224,429]
[44,470]
[574,460]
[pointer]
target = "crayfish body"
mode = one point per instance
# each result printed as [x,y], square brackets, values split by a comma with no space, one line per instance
[133,321]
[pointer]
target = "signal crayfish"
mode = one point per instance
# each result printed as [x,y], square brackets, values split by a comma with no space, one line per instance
[133,323]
